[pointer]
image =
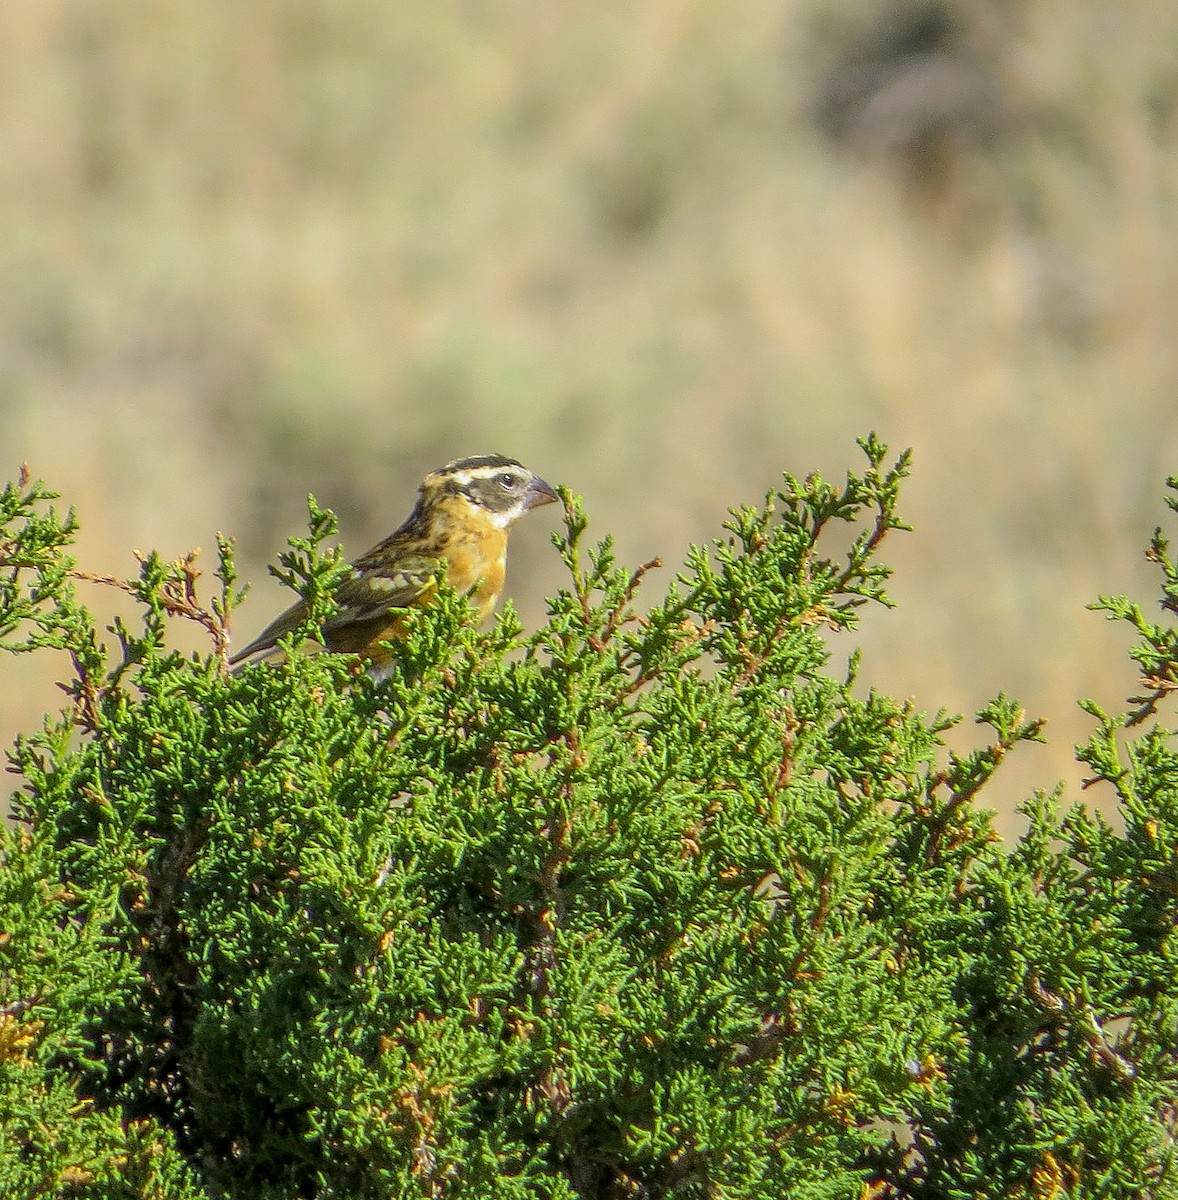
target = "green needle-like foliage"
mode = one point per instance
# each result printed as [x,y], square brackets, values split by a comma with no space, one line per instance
[648,903]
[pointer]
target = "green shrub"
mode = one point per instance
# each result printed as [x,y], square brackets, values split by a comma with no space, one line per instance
[634,906]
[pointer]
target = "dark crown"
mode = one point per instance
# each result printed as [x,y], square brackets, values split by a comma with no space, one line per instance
[494,461]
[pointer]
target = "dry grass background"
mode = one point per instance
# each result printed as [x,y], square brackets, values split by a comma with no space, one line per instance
[662,251]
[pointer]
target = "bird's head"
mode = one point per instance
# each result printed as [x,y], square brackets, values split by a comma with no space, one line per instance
[501,488]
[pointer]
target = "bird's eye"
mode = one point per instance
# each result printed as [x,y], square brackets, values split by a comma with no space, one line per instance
[508,481]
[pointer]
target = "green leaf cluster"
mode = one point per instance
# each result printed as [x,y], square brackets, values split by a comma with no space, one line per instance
[647,903]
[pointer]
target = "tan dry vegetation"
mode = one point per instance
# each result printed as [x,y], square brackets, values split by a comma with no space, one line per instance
[661,251]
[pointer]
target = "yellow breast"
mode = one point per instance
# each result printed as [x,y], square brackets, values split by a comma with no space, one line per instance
[476,557]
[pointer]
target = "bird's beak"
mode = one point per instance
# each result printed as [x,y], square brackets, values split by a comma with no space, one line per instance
[538,492]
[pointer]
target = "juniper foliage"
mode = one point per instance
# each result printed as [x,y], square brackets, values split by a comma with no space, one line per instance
[648,903]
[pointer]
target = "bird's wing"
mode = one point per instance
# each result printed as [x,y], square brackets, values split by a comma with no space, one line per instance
[373,586]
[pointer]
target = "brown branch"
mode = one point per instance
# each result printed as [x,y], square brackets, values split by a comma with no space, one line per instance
[938,822]
[87,697]
[754,662]
[855,567]
[1160,687]
[618,616]
[177,597]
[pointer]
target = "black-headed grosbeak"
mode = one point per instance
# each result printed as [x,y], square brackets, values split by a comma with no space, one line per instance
[462,517]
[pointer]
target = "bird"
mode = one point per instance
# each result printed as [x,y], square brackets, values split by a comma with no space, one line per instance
[462,517]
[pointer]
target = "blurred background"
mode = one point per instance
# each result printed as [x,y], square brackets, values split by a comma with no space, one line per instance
[660,250]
